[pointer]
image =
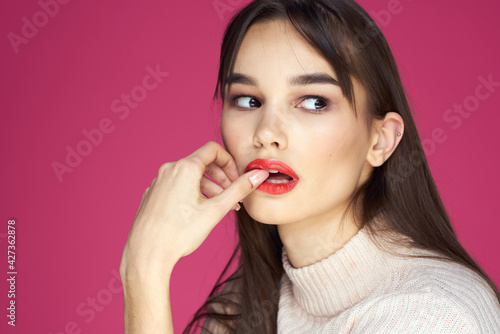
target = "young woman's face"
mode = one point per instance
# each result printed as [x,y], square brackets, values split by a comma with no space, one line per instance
[284,104]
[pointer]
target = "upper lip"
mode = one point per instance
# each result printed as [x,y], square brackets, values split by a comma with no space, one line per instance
[278,165]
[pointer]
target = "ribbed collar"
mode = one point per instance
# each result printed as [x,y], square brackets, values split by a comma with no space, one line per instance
[340,281]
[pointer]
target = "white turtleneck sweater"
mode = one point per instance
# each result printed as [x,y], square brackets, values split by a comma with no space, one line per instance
[362,289]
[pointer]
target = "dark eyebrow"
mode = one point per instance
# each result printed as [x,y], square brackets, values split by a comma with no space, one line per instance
[313,78]
[300,80]
[241,79]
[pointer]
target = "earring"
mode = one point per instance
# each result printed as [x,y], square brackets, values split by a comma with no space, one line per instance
[399,133]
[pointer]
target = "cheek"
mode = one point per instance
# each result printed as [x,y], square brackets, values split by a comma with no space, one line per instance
[228,133]
[232,136]
[342,149]
[331,140]
[338,155]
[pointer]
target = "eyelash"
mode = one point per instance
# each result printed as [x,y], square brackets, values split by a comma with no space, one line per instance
[307,97]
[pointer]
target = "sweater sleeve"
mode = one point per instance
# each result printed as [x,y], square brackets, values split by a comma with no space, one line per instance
[421,312]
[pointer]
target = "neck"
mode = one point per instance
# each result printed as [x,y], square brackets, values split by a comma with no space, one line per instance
[312,240]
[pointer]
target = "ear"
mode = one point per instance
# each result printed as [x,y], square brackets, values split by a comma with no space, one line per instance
[386,135]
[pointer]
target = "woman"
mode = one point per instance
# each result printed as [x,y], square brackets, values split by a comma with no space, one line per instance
[341,228]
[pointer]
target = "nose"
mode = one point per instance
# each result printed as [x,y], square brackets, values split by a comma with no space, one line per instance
[270,131]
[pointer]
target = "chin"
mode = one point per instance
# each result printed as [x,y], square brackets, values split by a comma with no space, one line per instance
[265,211]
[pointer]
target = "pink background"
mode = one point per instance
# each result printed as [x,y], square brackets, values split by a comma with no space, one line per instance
[63,80]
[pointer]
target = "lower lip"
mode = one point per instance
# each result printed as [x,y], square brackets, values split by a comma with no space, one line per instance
[277,188]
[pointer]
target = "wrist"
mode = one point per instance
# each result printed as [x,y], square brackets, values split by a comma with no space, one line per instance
[134,276]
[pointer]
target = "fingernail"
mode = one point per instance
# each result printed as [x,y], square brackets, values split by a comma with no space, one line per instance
[238,207]
[258,177]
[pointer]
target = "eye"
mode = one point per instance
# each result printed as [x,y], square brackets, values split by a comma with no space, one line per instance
[313,104]
[247,102]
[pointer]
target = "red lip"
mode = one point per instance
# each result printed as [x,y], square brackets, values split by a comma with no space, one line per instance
[274,188]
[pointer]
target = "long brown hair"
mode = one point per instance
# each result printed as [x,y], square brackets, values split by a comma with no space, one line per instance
[402,190]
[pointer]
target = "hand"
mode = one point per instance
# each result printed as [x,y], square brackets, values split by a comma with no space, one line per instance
[174,217]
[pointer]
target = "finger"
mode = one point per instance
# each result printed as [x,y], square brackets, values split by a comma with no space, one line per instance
[241,188]
[143,199]
[218,174]
[214,153]
[144,196]
[209,187]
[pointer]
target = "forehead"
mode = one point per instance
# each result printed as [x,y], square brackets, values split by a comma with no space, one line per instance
[274,51]
[277,46]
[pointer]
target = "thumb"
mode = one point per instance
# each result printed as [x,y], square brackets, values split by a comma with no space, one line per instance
[241,188]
